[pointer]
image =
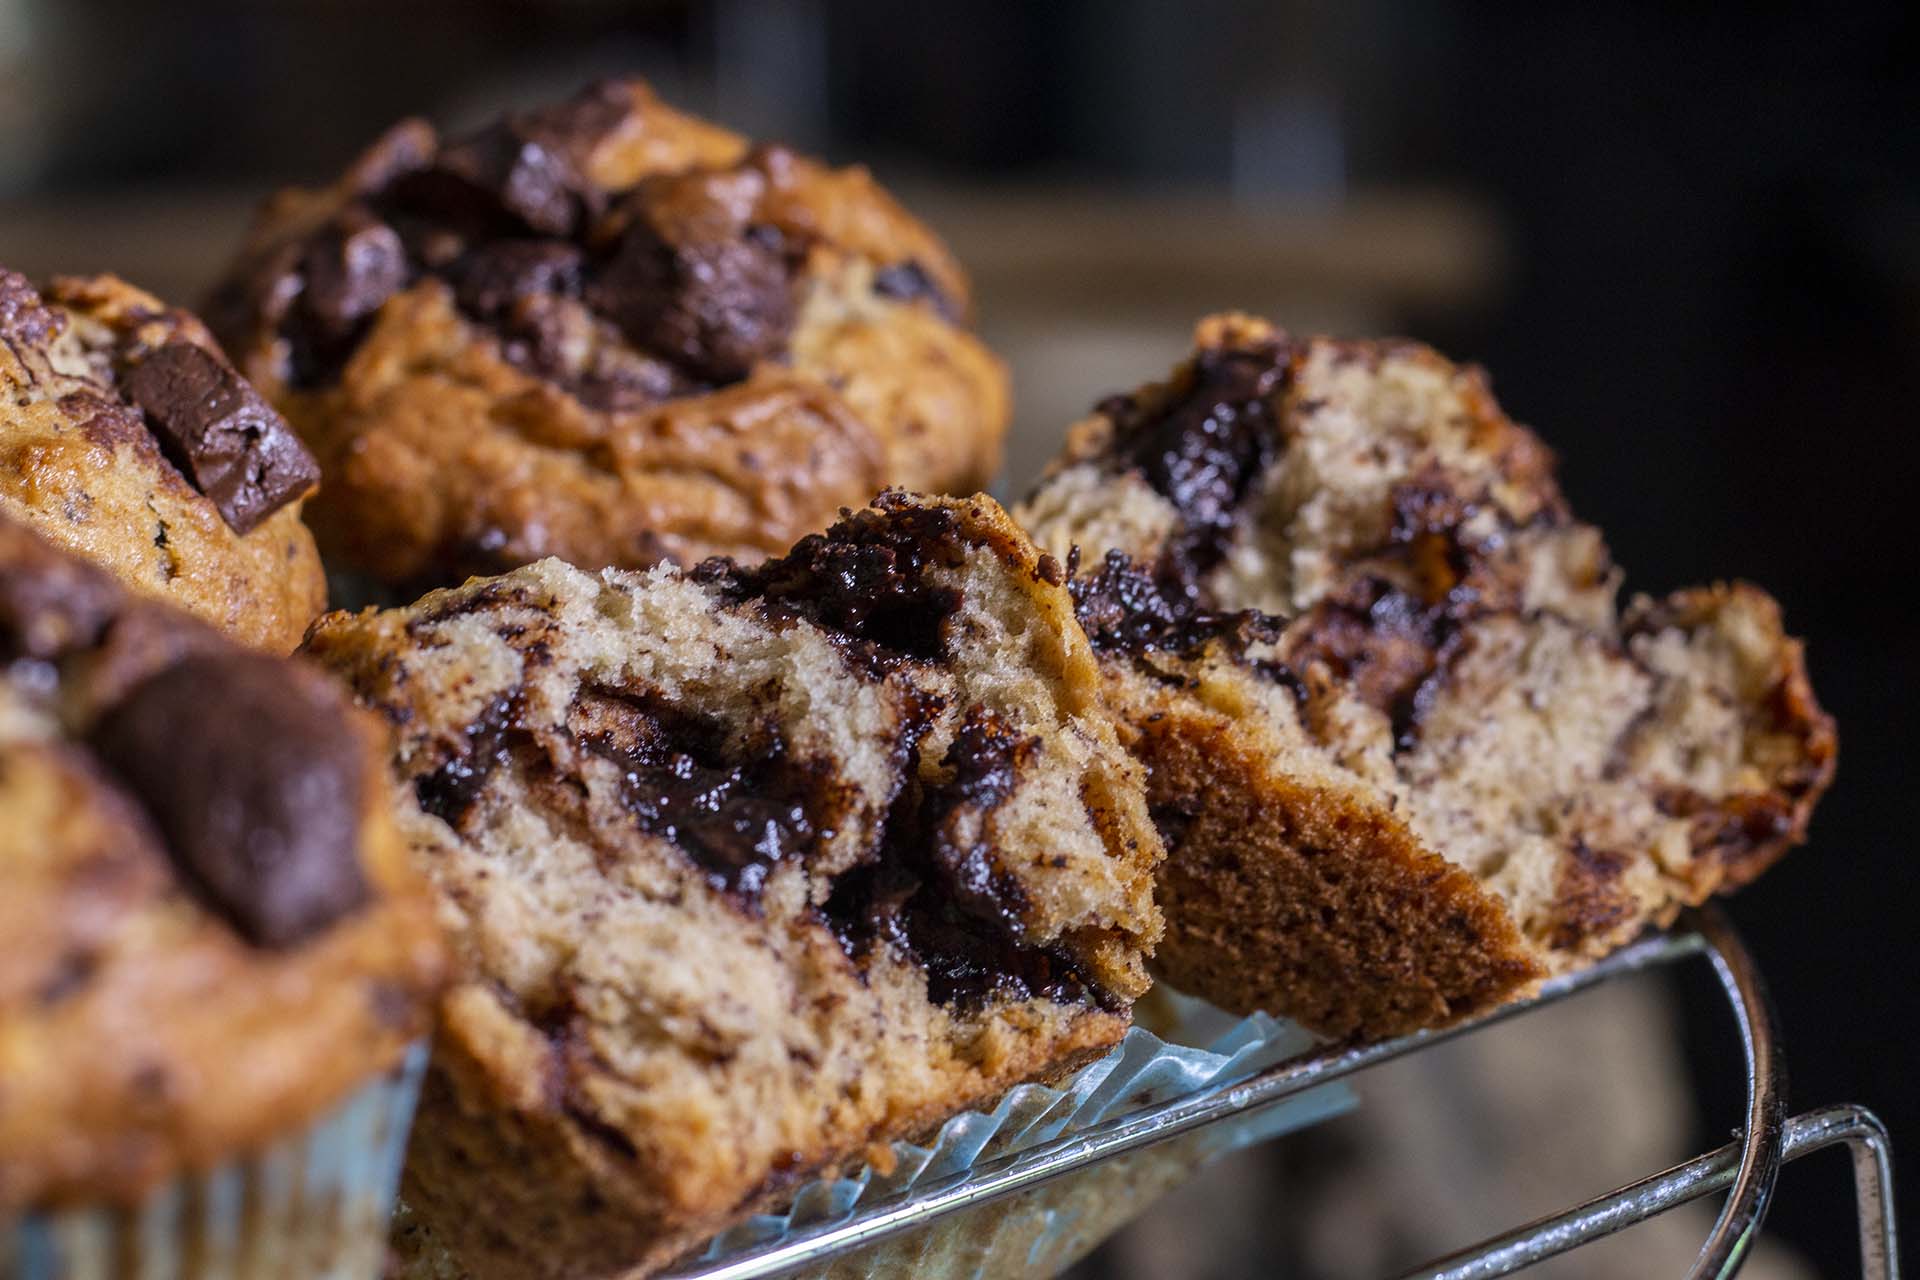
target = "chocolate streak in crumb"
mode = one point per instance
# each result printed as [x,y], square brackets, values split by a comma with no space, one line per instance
[866,582]
[734,807]
[1204,449]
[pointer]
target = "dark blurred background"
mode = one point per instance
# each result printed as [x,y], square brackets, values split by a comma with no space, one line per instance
[1687,244]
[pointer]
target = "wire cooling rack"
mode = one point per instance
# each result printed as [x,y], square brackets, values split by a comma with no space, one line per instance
[1745,1169]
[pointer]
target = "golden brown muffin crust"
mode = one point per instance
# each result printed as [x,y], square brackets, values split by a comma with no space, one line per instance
[167,1000]
[84,461]
[605,331]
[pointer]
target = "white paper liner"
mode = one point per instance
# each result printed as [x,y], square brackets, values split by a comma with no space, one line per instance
[1203,1047]
[312,1205]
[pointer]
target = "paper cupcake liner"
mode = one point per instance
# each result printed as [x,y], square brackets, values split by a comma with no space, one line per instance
[1042,1231]
[313,1205]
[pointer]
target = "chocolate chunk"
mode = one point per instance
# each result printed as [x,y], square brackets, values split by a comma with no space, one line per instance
[221,434]
[490,280]
[867,580]
[50,603]
[1389,648]
[495,180]
[734,806]
[716,306]
[578,124]
[406,147]
[1204,450]
[351,267]
[908,281]
[936,892]
[256,780]
[1122,608]
[450,792]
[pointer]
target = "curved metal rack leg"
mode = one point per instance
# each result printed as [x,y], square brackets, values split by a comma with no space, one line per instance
[1857,1127]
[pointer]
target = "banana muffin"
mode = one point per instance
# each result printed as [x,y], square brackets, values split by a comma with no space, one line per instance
[125,436]
[750,868]
[209,937]
[609,332]
[1406,756]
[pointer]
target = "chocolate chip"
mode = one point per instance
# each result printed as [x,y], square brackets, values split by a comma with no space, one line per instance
[255,778]
[908,281]
[490,280]
[450,792]
[351,267]
[1123,608]
[716,306]
[495,179]
[735,806]
[580,122]
[50,604]
[936,892]
[868,581]
[217,430]
[1204,450]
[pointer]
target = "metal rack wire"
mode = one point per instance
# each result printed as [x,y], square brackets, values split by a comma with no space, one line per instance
[1745,1169]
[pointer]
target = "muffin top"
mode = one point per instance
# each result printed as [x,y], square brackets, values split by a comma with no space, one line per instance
[127,437]
[207,935]
[607,331]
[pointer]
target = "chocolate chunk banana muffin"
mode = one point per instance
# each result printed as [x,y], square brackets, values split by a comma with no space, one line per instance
[208,935]
[126,436]
[1406,756]
[750,868]
[605,331]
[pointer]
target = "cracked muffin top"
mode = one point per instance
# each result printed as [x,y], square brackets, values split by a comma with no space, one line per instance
[126,436]
[207,933]
[606,331]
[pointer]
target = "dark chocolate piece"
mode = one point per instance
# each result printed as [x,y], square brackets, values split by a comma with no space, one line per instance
[1204,449]
[25,321]
[50,603]
[494,181]
[1124,609]
[351,267]
[866,580]
[221,434]
[255,778]
[450,791]
[716,306]
[489,281]
[907,281]
[734,807]
[936,894]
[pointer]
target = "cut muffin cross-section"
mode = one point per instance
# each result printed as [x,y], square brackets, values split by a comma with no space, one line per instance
[1406,756]
[751,868]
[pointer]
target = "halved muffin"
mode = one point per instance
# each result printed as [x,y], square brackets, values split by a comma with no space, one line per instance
[1406,757]
[751,868]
